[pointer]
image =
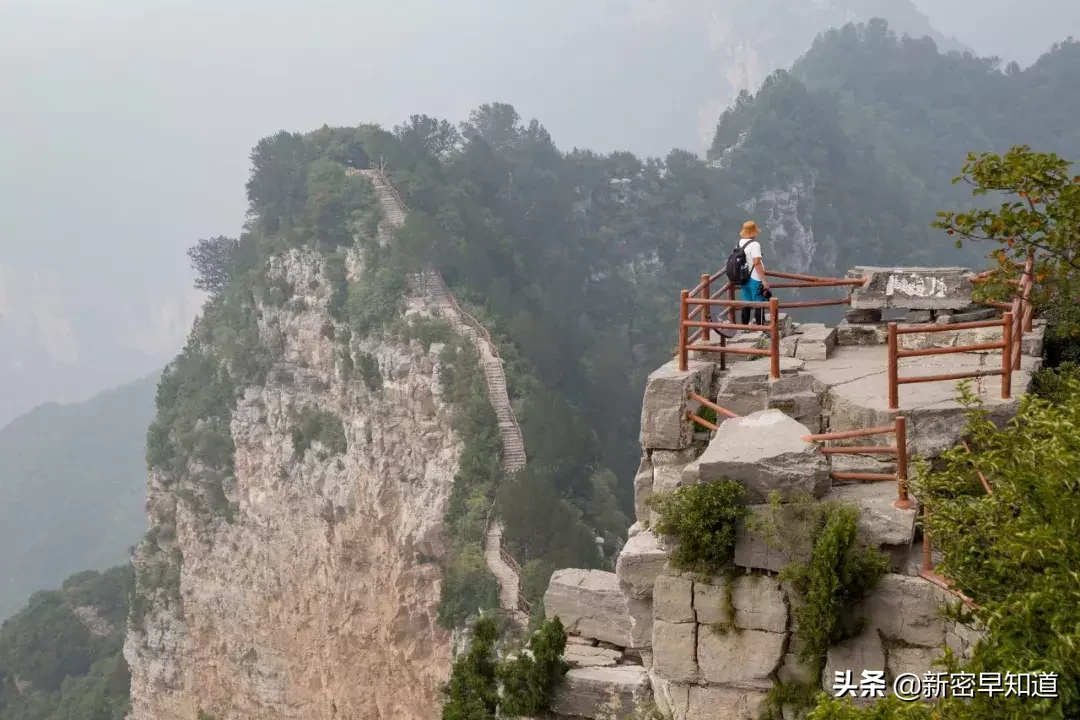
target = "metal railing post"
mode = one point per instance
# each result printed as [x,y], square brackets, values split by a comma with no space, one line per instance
[894,391]
[683,311]
[706,294]
[1006,361]
[774,339]
[903,501]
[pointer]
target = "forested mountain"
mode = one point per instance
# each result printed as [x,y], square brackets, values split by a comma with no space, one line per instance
[60,656]
[72,486]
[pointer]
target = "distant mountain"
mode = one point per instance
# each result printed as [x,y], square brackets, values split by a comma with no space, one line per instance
[72,483]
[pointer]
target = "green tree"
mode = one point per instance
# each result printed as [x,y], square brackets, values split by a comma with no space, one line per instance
[700,520]
[473,692]
[1040,217]
[213,262]
[529,681]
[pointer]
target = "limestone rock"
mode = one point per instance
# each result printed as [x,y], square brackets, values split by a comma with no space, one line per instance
[816,341]
[663,412]
[758,600]
[961,639]
[880,521]
[743,659]
[915,661]
[919,316]
[865,334]
[695,702]
[673,648]
[906,609]
[588,656]
[751,550]
[640,561]
[912,288]
[804,407]
[673,599]
[869,315]
[793,670]
[591,603]
[765,452]
[668,468]
[602,693]
[974,315]
[863,652]
[643,488]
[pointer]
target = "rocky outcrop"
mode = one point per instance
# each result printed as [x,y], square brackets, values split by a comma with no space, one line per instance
[591,604]
[317,598]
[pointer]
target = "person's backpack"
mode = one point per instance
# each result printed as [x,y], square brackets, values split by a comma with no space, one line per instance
[738,272]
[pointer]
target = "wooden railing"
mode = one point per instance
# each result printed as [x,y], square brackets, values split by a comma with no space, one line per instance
[899,430]
[703,298]
[712,406]
[1005,323]
[1023,310]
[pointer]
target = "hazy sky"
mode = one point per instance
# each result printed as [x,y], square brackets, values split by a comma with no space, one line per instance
[125,127]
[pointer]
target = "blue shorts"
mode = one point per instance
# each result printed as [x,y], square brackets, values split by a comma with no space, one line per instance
[753,291]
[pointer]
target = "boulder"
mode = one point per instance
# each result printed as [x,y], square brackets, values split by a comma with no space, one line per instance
[880,521]
[848,334]
[674,647]
[914,661]
[603,693]
[816,341]
[759,603]
[663,411]
[643,488]
[912,288]
[640,561]
[863,652]
[743,658]
[673,599]
[765,452]
[906,609]
[586,656]
[591,603]
[668,468]
[694,702]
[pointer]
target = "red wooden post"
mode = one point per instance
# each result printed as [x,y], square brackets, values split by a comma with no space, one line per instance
[902,500]
[705,314]
[1029,270]
[774,338]
[894,391]
[1006,361]
[731,297]
[927,548]
[683,311]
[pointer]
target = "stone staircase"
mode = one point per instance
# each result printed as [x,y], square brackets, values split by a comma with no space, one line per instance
[431,289]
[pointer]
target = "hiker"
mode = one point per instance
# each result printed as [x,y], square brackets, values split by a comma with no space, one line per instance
[746,269]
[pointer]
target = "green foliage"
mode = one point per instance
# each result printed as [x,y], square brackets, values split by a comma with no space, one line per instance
[701,520]
[334,269]
[311,425]
[473,692]
[375,300]
[369,371]
[528,681]
[214,263]
[469,586]
[797,697]
[1039,217]
[888,708]
[727,624]
[1015,552]
[53,667]
[1055,384]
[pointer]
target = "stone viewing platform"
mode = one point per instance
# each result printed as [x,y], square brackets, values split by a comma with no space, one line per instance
[648,635]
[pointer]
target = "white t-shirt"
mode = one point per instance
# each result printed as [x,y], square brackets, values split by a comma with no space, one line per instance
[753,251]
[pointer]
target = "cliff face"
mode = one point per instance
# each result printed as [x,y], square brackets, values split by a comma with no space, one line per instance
[317,597]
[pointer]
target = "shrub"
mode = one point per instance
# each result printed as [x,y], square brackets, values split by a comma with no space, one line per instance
[701,520]
[468,585]
[472,692]
[316,424]
[529,682]
[1053,384]
[369,371]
